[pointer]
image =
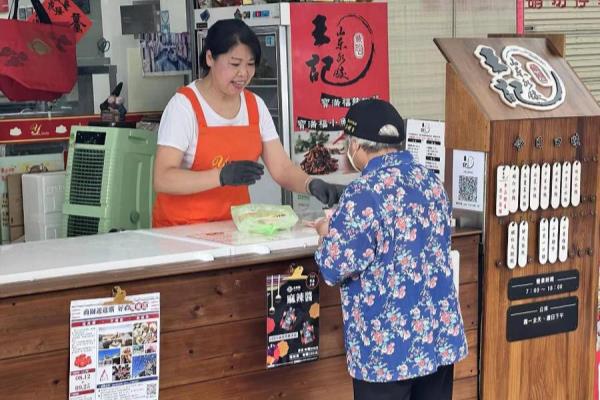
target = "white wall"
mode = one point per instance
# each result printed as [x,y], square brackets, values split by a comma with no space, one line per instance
[417,68]
[140,93]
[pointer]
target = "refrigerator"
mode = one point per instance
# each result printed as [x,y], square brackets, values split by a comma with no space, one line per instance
[317,60]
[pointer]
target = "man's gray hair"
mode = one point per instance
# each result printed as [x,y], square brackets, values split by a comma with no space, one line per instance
[373,147]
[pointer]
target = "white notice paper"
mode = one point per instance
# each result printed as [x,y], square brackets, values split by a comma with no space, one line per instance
[114,350]
[425,141]
[468,171]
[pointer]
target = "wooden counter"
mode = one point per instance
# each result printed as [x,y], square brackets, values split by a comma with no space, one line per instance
[212,330]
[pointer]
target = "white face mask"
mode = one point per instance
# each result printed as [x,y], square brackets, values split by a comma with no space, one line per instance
[351,159]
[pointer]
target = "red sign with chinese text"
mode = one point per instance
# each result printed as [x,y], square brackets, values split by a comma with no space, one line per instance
[3,6]
[66,12]
[339,56]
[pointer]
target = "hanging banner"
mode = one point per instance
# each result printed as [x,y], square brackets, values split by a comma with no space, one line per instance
[115,348]
[339,56]
[67,13]
[292,318]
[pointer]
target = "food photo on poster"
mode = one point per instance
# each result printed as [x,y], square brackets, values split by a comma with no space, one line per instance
[339,57]
[115,348]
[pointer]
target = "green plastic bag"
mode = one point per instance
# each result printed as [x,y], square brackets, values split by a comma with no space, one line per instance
[263,218]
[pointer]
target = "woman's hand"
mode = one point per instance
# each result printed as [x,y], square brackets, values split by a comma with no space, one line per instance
[326,193]
[237,173]
[170,178]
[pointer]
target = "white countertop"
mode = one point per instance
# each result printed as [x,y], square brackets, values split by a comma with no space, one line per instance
[26,262]
[225,234]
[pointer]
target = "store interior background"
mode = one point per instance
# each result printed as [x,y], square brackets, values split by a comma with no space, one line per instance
[417,69]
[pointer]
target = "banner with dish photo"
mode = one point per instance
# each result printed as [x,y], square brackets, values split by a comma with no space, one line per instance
[339,57]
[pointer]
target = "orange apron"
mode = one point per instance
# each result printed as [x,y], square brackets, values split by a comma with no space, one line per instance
[216,146]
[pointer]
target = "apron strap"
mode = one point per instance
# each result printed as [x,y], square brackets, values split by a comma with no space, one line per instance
[252,107]
[191,96]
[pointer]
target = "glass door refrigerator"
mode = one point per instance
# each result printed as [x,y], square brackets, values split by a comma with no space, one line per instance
[317,60]
[271,79]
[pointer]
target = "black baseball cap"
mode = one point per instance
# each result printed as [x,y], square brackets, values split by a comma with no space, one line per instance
[375,120]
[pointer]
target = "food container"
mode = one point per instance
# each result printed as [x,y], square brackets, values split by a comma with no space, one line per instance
[263,218]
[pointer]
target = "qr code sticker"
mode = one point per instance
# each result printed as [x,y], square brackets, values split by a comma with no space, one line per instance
[151,389]
[467,188]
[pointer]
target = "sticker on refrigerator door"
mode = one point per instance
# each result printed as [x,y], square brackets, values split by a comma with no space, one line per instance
[270,41]
[468,170]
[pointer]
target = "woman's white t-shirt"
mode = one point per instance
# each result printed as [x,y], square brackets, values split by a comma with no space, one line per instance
[179,128]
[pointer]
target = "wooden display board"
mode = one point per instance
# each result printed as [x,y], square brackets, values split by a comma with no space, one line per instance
[212,329]
[517,101]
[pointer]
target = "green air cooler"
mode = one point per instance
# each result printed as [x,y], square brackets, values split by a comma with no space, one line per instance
[109,180]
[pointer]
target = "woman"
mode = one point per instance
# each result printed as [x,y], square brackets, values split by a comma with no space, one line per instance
[212,133]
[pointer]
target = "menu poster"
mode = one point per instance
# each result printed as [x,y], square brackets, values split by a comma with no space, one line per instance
[292,318]
[114,352]
[425,141]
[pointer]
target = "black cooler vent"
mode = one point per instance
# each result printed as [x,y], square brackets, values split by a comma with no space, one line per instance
[78,225]
[86,177]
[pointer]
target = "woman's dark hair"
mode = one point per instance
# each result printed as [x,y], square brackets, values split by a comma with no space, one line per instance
[224,35]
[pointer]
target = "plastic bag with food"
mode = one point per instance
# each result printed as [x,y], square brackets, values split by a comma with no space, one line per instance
[263,218]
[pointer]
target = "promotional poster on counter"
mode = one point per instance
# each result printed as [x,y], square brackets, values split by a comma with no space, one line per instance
[339,57]
[114,352]
[292,318]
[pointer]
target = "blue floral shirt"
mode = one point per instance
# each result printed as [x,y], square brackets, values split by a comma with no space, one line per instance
[389,247]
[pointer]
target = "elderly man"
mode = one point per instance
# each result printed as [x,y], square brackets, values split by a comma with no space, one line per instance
[387,245]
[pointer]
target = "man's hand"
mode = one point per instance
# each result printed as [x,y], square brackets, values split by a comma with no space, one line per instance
[326,193]
[238,173]
[322,227]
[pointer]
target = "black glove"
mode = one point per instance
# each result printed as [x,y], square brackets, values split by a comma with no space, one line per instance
[326,193]
[237,173]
